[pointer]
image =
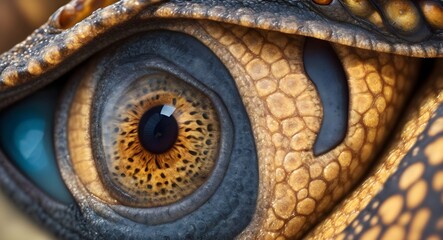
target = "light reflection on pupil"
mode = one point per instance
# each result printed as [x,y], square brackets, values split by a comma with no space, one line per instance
[158,129]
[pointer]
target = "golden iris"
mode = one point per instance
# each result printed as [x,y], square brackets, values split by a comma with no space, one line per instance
[161,137]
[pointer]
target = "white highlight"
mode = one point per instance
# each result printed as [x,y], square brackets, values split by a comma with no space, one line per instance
[167,110]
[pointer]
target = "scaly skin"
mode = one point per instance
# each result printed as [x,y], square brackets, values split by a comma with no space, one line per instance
[285,108]
[400,209]
[401,196]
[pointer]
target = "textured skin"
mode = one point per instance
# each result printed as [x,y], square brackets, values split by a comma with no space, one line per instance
[400,195]
[353,212]
[300,186]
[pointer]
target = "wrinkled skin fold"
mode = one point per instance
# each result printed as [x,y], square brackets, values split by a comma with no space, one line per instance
[381,178]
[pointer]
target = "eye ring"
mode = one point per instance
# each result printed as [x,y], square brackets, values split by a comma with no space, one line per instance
[162,214]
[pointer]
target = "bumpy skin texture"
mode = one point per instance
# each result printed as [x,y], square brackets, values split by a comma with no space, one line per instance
[261,44]
[405,173]
[302,187]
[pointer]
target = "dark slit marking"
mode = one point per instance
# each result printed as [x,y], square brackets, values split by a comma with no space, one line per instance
[325,70]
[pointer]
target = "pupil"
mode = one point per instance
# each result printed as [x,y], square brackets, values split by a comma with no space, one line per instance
[158,129]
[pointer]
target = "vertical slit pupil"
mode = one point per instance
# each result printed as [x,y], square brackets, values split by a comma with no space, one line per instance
[158,131]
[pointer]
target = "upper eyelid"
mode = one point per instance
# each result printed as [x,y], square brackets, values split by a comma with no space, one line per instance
[307,19]
[50,48]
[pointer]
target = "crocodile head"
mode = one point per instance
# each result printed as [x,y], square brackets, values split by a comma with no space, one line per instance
[228,119]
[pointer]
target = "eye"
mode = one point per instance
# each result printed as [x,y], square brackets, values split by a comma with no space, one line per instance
[148,129]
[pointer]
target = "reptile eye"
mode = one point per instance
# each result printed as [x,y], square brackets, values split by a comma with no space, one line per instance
[147,128]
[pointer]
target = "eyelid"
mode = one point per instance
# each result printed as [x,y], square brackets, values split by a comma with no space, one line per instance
[309,21]
[50,48]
